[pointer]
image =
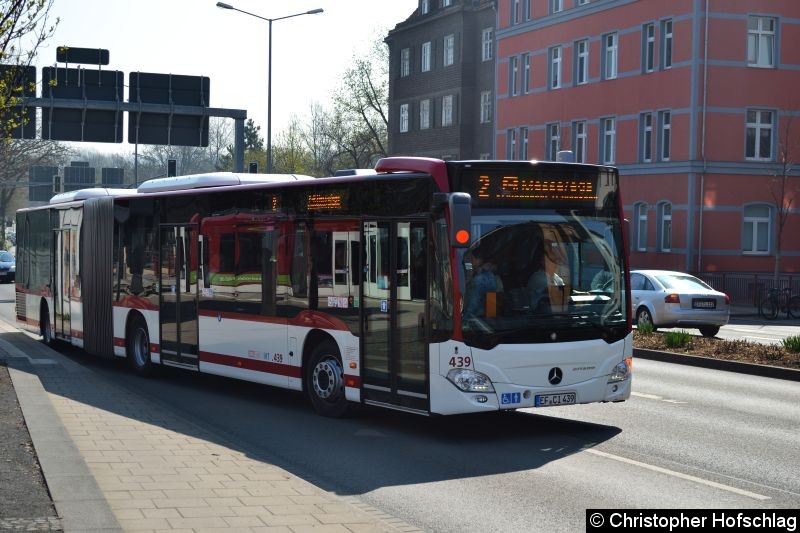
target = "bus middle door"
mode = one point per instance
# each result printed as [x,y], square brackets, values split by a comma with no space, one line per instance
[178,295]
[394,343]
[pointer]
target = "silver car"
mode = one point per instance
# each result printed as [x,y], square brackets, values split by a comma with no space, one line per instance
[668,299]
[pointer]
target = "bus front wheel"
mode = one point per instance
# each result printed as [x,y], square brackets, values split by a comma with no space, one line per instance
[138,347]
[324,380]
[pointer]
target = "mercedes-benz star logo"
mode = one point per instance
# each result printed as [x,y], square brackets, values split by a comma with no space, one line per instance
[555,375]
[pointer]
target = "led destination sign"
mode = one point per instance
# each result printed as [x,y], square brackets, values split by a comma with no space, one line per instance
[505,188]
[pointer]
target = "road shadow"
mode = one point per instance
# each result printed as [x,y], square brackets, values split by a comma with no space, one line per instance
[368,450]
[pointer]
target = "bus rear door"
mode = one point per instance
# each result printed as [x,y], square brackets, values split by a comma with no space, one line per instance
[178,295]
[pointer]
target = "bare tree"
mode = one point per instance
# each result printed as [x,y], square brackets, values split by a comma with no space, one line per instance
[785,185]
[321,146]
[290,152]
[220,137]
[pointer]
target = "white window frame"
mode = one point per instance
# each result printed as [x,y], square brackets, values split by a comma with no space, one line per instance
[447,110]
[486,107]
[758,127]
[761,42]
[665,225]
[425,114]
[553,140]
[425,66]
[526,73]
[646,152]
[664,135]
[649,47]
[751,224]
[487,44]
[511,143]
[404,118]
[583,2]
[449,49]
[523,143]
[424,7]
[609,140]
[447,3]
[640,214]
[666,44]
[515,11]
[555,56]
[582,62]
[405,62]
[610,55]
[579,138]
[556,6]
[513,75]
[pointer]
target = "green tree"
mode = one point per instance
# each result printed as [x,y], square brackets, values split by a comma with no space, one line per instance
[290,153]
[252,136]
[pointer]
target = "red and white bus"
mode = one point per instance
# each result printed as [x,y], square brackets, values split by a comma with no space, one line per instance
[427,286]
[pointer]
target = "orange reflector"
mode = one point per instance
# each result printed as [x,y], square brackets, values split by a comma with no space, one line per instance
[462,236]
[491,304]
[353,364]
[349,382]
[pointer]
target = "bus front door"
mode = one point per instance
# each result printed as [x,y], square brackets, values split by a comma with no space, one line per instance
[178,300]
[394,342]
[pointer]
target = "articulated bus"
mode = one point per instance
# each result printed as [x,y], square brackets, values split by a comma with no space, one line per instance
[425,286]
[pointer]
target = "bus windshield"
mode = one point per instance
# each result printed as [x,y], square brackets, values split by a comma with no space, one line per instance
[544,275]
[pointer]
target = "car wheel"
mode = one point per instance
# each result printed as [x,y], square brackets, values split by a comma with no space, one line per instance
[138,347]
[644,317]
[709,331]
[324,380]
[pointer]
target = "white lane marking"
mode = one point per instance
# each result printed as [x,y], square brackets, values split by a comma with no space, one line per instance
[657,398]
[680,475]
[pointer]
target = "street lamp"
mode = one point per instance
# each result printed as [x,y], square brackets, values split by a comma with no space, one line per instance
[223,5]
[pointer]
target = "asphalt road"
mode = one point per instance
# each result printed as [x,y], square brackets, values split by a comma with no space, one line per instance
[688,437]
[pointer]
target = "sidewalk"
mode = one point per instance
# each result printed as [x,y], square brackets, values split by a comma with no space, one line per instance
[138,467]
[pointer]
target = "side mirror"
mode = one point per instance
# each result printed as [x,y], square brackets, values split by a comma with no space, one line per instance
[460,204]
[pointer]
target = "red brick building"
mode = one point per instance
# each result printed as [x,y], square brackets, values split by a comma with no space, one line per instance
[697,102]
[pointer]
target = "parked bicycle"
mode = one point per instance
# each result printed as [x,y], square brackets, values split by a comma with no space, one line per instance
[778,300]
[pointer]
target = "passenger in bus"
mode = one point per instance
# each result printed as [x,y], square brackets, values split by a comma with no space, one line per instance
[540,282]
[603,279]
[484,280]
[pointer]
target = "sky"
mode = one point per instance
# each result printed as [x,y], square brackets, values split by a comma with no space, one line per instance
[196,38]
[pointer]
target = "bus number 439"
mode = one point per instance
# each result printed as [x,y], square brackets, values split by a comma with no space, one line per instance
[459,362]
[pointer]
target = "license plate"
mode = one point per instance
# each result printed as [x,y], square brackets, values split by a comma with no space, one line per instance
[704,304]
[548,400]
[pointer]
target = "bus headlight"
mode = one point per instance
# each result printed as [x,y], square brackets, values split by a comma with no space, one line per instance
[470,381]
[621,371]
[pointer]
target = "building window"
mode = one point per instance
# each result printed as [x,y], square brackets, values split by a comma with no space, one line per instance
[756,229]
[511,144]
[640,215]
[582,2]
[582,62]
[447,3]
[608,140]
[556,6]
[424,7]
[449,49]
[405,62]
[486,44]
[664,135]
[579,141]
[523,143]
[515,11]
[404,118]
[527,9]
[513,73]
[484,156]
[761,41]
[426,57]
[758,145]
[648,47]
[610,49]
[666,44]
[447,110]
[553,141]
[555,67]
[646,137]
[424,114]
[526,73]
[665,225]
[486,106]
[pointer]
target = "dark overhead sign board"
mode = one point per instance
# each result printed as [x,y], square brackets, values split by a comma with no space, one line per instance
[22,79]
[168,89]
[82,124]
[76,178]
[41,180]
[110,176]
[88,56]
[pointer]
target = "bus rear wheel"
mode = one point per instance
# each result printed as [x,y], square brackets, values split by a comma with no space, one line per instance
[46,329]
[324,380]
[138,347]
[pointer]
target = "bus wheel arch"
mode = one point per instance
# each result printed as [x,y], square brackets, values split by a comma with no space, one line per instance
[323,374]
[137,344]
[45,326]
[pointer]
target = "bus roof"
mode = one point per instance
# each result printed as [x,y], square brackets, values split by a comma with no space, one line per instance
[85,194]
[214,179]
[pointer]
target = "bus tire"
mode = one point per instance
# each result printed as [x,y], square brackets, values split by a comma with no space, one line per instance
[137,346]
[324,380]
[45,329]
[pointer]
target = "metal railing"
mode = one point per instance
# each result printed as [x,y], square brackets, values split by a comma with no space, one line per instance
[748,289]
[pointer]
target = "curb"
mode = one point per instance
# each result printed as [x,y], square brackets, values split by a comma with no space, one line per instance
[752,369]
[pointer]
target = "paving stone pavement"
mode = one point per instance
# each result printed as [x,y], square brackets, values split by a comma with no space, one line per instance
[114,461]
